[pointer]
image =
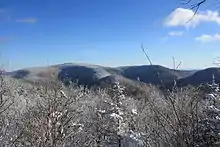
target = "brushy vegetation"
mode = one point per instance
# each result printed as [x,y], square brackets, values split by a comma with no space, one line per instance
[53,115]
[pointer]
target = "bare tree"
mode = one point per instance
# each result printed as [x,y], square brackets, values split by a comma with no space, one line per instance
[196,4]
[54,120]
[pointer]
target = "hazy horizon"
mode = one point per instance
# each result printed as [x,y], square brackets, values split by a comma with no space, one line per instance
[116,66]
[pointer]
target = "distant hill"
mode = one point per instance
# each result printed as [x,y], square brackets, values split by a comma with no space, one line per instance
[91,75]
[154,74]
[202,76]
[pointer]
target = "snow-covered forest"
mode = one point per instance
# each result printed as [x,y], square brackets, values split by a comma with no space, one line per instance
[53,115]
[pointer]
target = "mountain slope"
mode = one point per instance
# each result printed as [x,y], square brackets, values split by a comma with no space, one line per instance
[202,76]
[82,74]
[154,74]
[90,75]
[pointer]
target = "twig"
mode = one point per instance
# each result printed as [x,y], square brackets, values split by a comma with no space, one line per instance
[178,65]
[195,7]
[148,58]
[174,64]
[186,2]
[217,61]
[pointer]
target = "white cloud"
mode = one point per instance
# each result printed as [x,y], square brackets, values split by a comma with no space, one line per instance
[27,20]
[176,33]
[187,18]
[208,38]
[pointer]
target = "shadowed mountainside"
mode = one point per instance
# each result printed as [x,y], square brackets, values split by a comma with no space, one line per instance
[202,76]
[90,75]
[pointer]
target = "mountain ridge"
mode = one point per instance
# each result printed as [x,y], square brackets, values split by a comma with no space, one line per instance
[89,74]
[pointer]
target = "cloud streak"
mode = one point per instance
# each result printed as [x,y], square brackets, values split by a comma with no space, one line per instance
[188,18]
[26,20]
[208,38]
[176,33]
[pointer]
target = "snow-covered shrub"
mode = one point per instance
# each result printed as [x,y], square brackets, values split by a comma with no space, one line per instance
[209,127]
[114,115]
[56,119]
[52,114]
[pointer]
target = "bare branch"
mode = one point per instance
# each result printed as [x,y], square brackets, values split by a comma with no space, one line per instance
[174,63]
[178,65]
[148,58]
[175,67]
[195,7]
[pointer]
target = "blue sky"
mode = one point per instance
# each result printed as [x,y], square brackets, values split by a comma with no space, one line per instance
[106,32]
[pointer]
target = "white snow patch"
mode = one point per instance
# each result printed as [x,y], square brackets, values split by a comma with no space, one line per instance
[134,111]
[116,116]
[211,96]
[102,111]
[213,108]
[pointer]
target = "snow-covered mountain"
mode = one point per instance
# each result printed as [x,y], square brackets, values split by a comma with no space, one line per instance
[89,75]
